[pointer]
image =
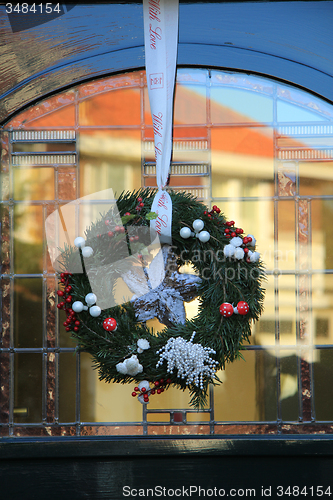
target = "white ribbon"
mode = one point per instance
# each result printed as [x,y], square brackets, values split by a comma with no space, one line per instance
[161,40]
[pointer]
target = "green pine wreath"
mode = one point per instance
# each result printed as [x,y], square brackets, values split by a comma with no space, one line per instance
[133,352]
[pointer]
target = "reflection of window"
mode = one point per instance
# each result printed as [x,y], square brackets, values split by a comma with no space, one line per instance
[260,150]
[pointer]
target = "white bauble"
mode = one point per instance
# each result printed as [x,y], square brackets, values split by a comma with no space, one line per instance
[204,236]
[79,242]
[87,252]
[253,242]
[236,241]
[95,311]
[239,253]
[185,232]
[198,224]
[78,306]
[90,299]
[229,250]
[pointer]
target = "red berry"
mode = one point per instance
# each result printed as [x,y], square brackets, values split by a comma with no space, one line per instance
[107,222]
[60,293]
[143,389]
[71,312]
[134,394]
[77,323]
[117,229]
[227,235]
[214,208]
[68,329]
[139,256]
[169,381]
[248,260]
[62,280]
[136,389]
[232,222]
[65,323]
[122,229]
[110,234]
[233,234]
[136,238]
[141,204]
[152,391]
[239,231]
[127,213]
[245,240]
[158,391]
[226,309]
[228,223]
[139,199]
[69,299]
[249,239]
[218,210]
[68,288]
[205,212]
[162,389]
[62,275]
[162,381]
[209,215]
[156,384]
[246,250]
[146,398]
[137,209]
[227,230]
[76,328]
[131,238]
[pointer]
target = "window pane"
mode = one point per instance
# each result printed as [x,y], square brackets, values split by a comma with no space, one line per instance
[28,388]
[28,321]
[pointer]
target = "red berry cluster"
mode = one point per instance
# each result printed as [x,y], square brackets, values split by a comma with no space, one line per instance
[215,210]
[71,323]
[140,204]
[159,387]
[231,231]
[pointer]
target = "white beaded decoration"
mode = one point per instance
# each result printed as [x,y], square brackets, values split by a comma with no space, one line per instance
[189,359]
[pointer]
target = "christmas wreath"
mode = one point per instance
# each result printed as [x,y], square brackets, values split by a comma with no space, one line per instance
[115,279]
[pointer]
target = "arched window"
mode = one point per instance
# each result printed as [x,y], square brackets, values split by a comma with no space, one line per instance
[260,150]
